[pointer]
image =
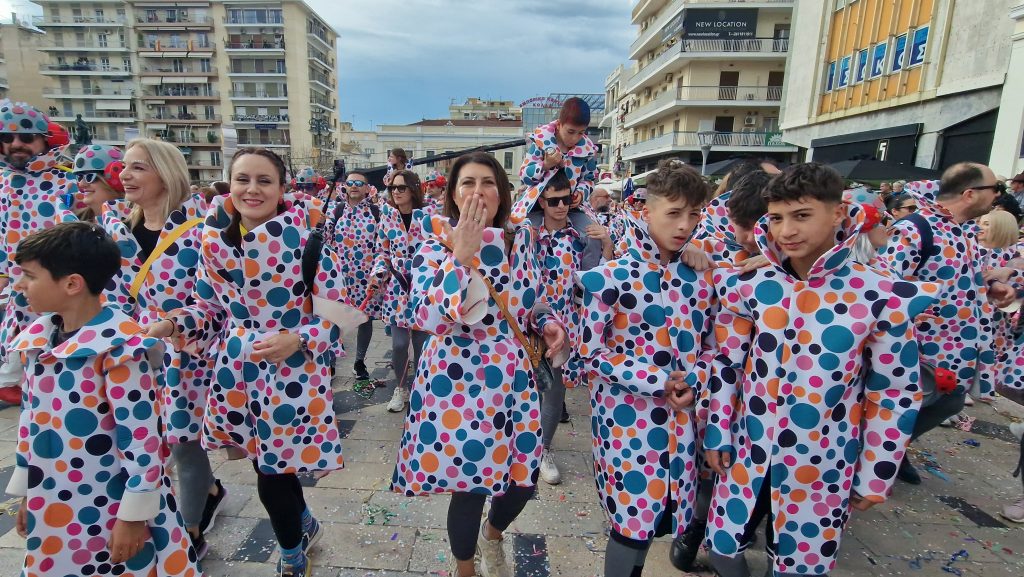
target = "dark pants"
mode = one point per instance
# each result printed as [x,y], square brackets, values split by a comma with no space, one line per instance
[281,496]
[464,517]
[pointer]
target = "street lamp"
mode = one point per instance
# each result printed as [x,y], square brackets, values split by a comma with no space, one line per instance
[706,139]
[319,126]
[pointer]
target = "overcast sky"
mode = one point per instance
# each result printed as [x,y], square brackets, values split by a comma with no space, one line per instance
[404,60]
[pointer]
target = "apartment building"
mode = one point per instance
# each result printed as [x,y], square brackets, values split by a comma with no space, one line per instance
[188,71]
[920,82]
[705,72]
[19,61]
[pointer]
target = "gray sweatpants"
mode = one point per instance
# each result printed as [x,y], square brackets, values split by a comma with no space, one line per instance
[551,402]
[400,340]
[195,477]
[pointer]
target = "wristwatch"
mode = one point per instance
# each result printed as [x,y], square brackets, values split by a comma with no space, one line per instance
[303,344]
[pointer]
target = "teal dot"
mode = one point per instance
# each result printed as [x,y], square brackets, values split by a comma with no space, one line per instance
[624,415]
[428,433]
[284,414]
[474,450]
[441,386]
[80,422]
[635,482]
[526,443]
[491,255]
[768,292]
[48,445]
[837,339]
[278,296]
[804,416]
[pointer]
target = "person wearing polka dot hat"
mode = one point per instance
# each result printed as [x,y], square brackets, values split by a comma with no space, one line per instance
[648,350]
[33,189]
[309,182]
[272,330]
[98,170]
[158,226]
[562,145]
[828,393]
[433,196]
[473,425]
[90,459]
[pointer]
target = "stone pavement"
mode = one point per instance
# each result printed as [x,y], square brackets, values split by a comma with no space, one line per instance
[373,532]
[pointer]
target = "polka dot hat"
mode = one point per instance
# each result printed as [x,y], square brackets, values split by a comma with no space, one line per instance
[20,118]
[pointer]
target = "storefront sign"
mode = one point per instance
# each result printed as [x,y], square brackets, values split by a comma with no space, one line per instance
[918,46]
[541,102]
[844,72]
[899,52]
[713,23]
[878,60]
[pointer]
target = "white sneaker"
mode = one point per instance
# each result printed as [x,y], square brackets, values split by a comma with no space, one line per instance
[453,568]
[492,556]
[968,401]
[398,400]
[1014,512]
[548,469]
[1017,429]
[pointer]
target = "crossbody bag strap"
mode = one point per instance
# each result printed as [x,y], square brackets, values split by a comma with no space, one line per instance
[159,250]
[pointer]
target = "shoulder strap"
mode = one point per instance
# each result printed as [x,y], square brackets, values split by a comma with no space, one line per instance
[161,247]
[375,211]
[927,238]
[531,351]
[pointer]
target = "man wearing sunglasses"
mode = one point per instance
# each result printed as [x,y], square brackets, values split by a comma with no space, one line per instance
[353,235]
[931,245]
[30,201]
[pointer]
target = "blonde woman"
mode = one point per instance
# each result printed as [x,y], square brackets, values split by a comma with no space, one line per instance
[158,227]
[997,232]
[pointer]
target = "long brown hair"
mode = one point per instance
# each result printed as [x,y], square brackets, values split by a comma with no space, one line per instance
[504,187]
[412,180]
[233,233]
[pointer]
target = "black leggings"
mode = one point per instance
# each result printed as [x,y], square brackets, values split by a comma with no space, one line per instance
[281,496]
[762,509]
[464,517]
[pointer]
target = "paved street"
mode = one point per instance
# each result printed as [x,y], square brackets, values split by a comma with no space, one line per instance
[371,531]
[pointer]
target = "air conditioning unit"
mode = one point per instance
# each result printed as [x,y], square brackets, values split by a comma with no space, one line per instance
[749,120]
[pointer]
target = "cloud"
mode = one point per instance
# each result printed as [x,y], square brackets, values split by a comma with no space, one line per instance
[403,60]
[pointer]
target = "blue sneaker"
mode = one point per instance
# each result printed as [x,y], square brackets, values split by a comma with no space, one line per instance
[311,537]
[300,567]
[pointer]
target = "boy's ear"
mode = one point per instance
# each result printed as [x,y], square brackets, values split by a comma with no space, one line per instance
[840,214]
[645,213]
[74,285]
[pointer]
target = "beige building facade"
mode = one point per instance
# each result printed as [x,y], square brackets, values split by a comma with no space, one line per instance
[705,72]
[20,79]
[918,82]
[190,72]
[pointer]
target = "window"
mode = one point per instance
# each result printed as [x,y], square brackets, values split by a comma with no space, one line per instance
[861,70]
[126,64]
[105,63]
[918,47]
[102,39]
[508,160]
[844,73]
[878,60]
[209,112]
[99,15]
[899,53]
[121,15]
[205,66]
[831,77]
[113,133]
[215,158]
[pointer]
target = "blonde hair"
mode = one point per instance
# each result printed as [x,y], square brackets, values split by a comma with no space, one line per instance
[170,166]
[1002,229]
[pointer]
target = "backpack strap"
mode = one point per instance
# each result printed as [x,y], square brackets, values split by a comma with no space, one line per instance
[927,238]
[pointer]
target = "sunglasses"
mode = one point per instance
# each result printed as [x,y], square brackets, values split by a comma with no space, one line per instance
[909,208]
[24,138]
[566,200]
[89,177]
[999,187]
[355,183]
[403,188]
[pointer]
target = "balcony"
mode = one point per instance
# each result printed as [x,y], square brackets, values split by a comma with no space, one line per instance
[177,93]
[93,92]
[708,48]
[98,116]
[217,167]
[181,71]
[160,20]
[323,103]
[689,141]
[273,46]
[211,138]
[645,8]
[652,35]
[319,37]
[83,70]
[685,96]
[90,46]
[254,22]
[180,49]
[259,118]
[258,95]
[322,80]
[238,71]
[183,119]
[321,59]
[53,21]
[267,142]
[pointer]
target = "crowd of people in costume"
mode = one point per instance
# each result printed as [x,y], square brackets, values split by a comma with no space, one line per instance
[757,354]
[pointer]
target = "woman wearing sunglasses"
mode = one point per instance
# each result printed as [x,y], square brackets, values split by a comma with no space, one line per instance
[473,427]
[158,226]
[398,238]
[98,170]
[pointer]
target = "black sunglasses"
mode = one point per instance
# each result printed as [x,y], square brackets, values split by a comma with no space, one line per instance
[999,187]
[909,208]
[355,183]
[403,188]
[24,138]
[566,200]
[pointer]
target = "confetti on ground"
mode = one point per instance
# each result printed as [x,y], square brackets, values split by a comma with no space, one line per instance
[394,536]
[376,512]
[972,443]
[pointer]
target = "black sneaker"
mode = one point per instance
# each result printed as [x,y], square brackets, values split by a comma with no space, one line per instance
[200,546]
[214,504]
[565,414]
[360,371]
[685,547]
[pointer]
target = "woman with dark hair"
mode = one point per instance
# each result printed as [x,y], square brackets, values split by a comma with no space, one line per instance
[473,427]
[399,235]
[270,396]
[398,159]
[560,145]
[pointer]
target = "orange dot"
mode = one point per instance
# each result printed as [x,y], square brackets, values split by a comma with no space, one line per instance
[775,318]
[656,489]
[58,515]
[51,545]
[176,562]
[310,455]
[740,474]
[429,462]
[119,374]
[808,302]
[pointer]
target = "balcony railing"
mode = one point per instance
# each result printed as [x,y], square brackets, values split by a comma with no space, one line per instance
[705,46]
[183,117]
[70,92]
[85,68]
[322,102]
[262,142]
[691,141]
[211,138]
[181,92]
[170,71]
[96,115]
[163,19]
[245,20]
[179,45]
[256,94]
[239,70]
[255,45]
[708,94]
[57,19]
[259,117]
[654,28]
